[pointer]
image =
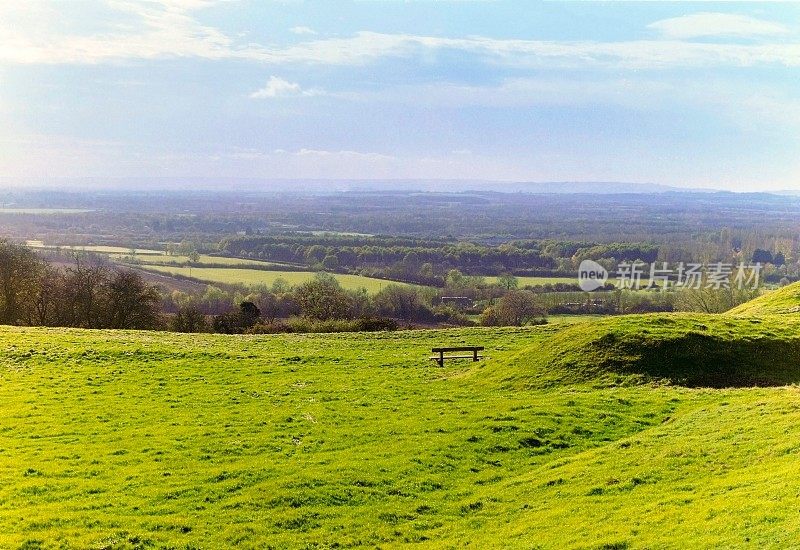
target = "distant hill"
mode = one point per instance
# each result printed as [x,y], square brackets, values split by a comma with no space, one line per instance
[338,185]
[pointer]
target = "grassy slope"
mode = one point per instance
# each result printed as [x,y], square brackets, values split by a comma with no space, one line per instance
[135,440]
[686,349]
[783,301]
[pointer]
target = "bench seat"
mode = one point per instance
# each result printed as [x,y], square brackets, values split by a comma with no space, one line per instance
[459,349]
[436,357]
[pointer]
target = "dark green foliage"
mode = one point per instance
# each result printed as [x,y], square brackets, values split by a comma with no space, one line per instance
[189,319]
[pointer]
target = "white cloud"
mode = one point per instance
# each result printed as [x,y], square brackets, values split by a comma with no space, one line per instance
[343,155]
[279,87]
[168,29]
[302,30]
[698,25]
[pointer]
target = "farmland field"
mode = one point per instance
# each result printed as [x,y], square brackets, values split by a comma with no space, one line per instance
[611,434]
[533,281]
[178,260]
[99,249]
[260,277]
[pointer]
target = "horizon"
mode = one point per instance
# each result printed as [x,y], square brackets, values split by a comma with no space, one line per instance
[688,95]
[320,186]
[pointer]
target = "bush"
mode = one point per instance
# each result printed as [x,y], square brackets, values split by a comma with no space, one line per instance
[189,319]
[306,325]
[448,314]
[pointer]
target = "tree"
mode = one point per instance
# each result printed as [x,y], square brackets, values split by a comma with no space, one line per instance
[280,286]
[411,262]
[19,277]
[426,271]
[762,256]
[46,303]
[518,308]
[86,295]
[330,263]
[322,298]
[316,253]
[215,300]
[711,300]
[455,279]
[227,323]
[399,301]
[132,303]
[507,281]
[189,319]
[269,306]
[249,314]
[489,317]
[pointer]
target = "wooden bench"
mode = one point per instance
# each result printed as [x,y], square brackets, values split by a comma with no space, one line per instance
[441,351]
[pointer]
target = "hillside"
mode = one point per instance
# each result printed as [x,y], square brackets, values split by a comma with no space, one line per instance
[683,349]
[153,440]
[783,301]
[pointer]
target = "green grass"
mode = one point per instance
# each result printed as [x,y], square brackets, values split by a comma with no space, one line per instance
[260,277]
[572,319]
[534,281]
[686,349]
[782,301]
[99,249]
[178,260]
[589,435]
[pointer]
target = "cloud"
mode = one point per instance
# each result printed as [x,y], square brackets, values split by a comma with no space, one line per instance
[322,154]
[302,30]
[699,25]
[136,30]
[168,29]
[343,155]
[279,87]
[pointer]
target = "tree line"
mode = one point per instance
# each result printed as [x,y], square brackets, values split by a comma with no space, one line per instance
[83,294]
[427,261]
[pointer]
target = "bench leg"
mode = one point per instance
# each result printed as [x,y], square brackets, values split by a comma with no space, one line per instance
[474,355]
[441,359]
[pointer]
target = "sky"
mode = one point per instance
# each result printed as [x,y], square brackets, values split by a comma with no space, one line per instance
[690,94]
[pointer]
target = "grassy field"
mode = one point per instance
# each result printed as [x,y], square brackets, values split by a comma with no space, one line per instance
[572,319]
[260,277]
[99,249]
[615,433]
[533,281]
[162,258]
[782,301]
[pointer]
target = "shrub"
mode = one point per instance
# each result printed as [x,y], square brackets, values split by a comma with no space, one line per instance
[306,325]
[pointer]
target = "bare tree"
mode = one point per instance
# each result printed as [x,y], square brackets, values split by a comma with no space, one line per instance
[131,303]
[19,277]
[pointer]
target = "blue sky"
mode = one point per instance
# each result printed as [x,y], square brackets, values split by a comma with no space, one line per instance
[681,93]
